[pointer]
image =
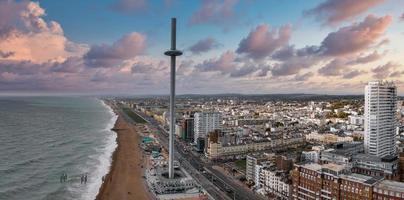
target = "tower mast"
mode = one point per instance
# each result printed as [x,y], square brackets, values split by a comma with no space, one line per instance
[173,52]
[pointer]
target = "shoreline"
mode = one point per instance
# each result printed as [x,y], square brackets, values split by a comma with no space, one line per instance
[124,179]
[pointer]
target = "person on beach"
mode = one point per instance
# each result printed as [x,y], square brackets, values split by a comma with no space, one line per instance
[85,179]
[103,178]
[81,179]
[61,178]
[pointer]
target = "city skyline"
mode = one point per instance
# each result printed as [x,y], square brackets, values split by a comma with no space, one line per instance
[230,46]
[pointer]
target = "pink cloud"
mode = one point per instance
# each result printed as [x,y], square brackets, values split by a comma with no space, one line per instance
[293,65]
[353,74]
[214,11]
[125,48]
[127,6]
[204,45]
[303,77]
[356,37]
[335,11]
[387,70]
[6,54]
[225,63]
[363,59]
[35,54]
[262,42]
[23,32]
[340,67]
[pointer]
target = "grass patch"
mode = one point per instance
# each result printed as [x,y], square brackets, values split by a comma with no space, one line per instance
[241,164]
[135,117]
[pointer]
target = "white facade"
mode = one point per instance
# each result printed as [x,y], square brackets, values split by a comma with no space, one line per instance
[271,181]
[311,156]
[251,163]
[356,120]
[275,184]
[205,122]
[380,119]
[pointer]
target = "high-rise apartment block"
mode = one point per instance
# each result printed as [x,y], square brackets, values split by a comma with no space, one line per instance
[205,122]
[188,124]
[380,119]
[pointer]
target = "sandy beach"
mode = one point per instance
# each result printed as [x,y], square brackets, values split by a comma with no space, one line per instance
[125,181]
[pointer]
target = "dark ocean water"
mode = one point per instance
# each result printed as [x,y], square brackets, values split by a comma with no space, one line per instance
[44,137]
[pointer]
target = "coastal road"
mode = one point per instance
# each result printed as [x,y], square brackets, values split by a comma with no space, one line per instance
[213,191]
[187,162]
[210,179]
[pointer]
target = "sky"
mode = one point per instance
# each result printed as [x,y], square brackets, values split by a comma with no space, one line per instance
[230,46]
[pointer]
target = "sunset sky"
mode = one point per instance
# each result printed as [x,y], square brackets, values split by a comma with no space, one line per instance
[230,46]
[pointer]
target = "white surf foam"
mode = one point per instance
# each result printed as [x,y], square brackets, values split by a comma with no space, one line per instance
[104,158]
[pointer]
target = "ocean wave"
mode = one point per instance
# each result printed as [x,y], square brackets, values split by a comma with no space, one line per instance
[27,182]
[16,166]
[104,159]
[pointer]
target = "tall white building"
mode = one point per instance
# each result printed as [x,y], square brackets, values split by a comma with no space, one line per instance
[205,122]
[380,119]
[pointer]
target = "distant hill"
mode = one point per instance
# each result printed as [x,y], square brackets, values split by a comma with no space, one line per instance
[258,97]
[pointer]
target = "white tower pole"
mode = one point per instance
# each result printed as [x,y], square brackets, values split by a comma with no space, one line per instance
[172,53]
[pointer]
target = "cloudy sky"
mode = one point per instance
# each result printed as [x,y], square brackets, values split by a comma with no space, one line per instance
[230,46]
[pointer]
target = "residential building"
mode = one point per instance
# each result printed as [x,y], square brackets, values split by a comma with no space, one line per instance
[386,189]
[315,181]
[275,182]
[252,161]
[216,148]
[327,138]
[330,181]
[341,153]
[205,122]
[380,118]
[356,120]
[188,124]
[357,186]
[376,166]
[310,156]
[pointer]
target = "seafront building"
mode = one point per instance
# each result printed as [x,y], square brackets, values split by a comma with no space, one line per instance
[221,145]
[380,118]
[205,122]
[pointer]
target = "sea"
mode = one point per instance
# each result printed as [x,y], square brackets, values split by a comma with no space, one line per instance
[42,138]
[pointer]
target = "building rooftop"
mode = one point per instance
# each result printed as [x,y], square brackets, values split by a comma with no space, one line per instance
[318,167]
[365,157]
[361,178]
[312,166]
[334,167]
[391,185]
[369,158]
[347,148]
[381,82]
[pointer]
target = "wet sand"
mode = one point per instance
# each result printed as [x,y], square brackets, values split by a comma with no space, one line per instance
[125,181]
